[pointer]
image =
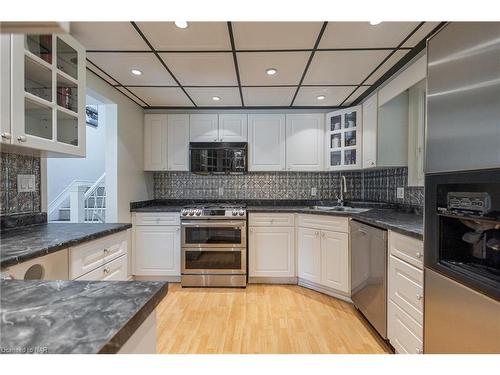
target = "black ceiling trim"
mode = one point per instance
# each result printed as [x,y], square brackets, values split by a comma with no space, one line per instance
[247,108]
[249,50]
[318,39]
[235,59]
[161,60]
[384,60]
[410,55]
[235,86]
[124,87]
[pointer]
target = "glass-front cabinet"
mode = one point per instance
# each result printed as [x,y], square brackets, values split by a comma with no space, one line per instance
[343,130]
[48,93]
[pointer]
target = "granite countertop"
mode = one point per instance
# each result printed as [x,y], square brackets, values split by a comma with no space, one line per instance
[157,208]
[25,243]
[74,316]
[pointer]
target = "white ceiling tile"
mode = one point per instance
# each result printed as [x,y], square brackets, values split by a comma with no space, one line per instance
[202,96]
[307,96]
[162,96]
[197,36]
[275,35]
[356,94]
[118,65]
[101,73]
[290,66]
[420,34]
[398,55]
[108,36]
[131,96]
[342,67]
[202,68]
[268,96]
[364,35]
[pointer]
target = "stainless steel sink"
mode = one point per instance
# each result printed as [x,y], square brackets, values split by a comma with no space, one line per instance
[339,209]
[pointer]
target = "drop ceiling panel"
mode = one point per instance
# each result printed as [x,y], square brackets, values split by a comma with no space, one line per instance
[290,66]
[101,73]
[356,95]
[200,36]
[420,34]
[391,61]
[131,96]
[307,96]
[108,36]
[162,96]
[202,68]
[118,65]
[364,35]
[268,96]
[275,35]
[202,96]
[342,67]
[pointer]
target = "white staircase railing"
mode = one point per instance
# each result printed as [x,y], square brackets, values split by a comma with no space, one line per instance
[63,197]
[95,201]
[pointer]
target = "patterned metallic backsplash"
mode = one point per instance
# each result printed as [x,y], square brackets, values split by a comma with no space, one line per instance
[377,185]
[12,202]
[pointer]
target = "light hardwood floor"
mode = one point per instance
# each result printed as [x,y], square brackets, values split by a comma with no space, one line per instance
[260,319]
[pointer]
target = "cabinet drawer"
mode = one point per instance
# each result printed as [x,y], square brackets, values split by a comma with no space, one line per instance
[270,219]
[88,256]
[406,287]
[116,270]
[158,218]
[406,248]
[335,224]
[404,333]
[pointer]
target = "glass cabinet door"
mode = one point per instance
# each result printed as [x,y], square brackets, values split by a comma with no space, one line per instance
[343,139]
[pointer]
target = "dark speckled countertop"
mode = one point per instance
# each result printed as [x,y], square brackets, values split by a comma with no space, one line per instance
[74,316]
[25,243]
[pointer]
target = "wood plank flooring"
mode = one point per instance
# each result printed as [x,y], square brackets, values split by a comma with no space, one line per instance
[260,319]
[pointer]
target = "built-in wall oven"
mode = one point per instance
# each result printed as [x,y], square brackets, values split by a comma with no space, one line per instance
[213,243]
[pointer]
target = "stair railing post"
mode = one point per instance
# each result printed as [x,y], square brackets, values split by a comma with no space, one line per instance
[77,203]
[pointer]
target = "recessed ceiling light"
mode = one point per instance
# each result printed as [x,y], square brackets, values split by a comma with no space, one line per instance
[321,97]
[181,24]
[215,98]
[136,72]
[373,23]
[271,71]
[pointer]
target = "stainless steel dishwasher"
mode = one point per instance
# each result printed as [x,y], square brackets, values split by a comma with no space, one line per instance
[369,274]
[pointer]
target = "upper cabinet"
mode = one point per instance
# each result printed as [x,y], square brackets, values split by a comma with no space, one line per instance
[178,142]
[266,141]
[343,139]
[233,127]
[304,142]
[203,128]
[226,127]
[416,139]
[47,79]
[370,118]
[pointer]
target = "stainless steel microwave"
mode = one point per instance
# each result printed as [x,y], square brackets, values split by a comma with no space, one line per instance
[218,157]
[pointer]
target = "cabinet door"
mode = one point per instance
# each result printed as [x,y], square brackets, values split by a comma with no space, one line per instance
[416,126]
[5,92]
[309,254]
[304,142]
[271,252]
[335,260]
[155,142]
[370,113]
[203,128]
[266,138]
[404,333]
[233,127]
[157,251]
[178,142]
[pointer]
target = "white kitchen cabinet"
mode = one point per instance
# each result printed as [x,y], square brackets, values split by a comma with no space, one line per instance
[155,142]
[178,142]
[271,252]
[5,123]
[416,137]
[233,127]
[309,254]
[157,250]
[115,270]
[343,139]
[203,128]
[304,142]
[404,333]
[335,260]
[48,79]
[370,118]
[266,138]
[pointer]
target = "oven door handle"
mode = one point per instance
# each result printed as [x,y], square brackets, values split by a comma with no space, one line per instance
[213,249]
[197,224]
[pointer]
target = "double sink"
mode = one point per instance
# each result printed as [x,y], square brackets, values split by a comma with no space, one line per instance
[345,209]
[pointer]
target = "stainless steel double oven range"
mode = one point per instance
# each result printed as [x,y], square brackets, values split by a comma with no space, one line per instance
[214,246]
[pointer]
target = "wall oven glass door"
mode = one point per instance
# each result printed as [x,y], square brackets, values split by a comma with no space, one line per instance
[213,261]
[223,233]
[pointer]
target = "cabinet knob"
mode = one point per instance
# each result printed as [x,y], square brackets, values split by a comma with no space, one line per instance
[176,229]
[215,140]
[419,297]
[323,234]
[6,136]
[316,233]
[106,270]
[22,138]
[106,251]
[418,255]
[372,163]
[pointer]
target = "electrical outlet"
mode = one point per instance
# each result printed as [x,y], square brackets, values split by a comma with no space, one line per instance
[221,191]
[400,193]
[25,183]
[314,191]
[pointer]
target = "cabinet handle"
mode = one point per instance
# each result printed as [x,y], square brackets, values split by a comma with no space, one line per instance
[22,138]
[418,255]
[419,297]
[6,135]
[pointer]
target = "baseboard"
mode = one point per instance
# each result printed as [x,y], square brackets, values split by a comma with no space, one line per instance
[324,290]
[170,279]
[272,280]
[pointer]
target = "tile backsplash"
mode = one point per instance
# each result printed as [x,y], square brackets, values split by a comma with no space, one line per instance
[374,185]
[12,202]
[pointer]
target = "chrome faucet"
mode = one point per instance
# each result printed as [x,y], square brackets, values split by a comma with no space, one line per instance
[343,189]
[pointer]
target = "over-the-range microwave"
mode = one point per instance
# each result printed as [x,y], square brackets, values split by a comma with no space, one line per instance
[218,157]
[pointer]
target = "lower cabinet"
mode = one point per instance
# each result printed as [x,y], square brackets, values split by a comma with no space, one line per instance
[116,270]
[309,254]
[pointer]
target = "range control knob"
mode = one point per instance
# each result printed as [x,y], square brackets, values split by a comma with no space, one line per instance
[234,213]
[183,212]
[191,212]
[197,212]
[241,212]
